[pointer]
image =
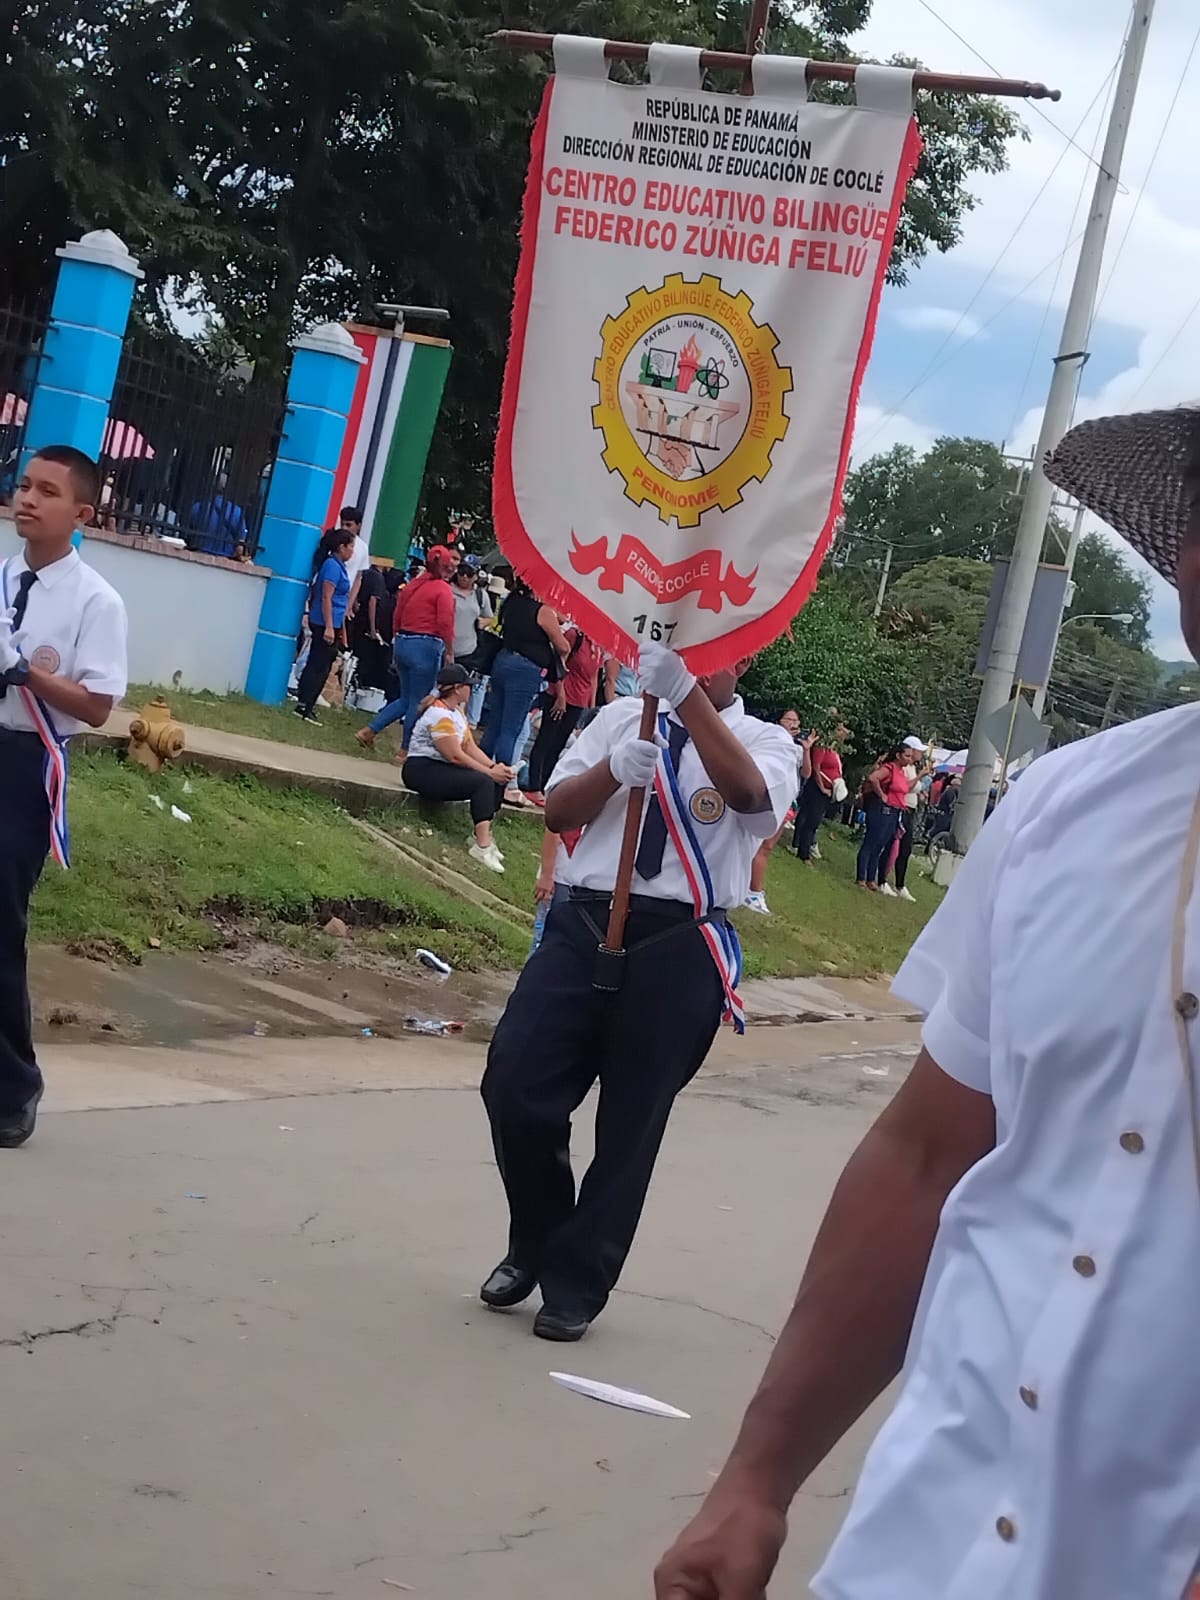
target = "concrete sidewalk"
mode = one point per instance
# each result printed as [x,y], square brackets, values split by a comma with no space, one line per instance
[345,778]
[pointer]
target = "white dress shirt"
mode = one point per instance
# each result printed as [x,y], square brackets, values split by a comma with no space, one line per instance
[360,560]
[74,626]
[1046,1442]
[728,838]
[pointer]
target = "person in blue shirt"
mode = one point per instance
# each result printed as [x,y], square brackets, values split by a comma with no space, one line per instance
[328,600]
[221,523]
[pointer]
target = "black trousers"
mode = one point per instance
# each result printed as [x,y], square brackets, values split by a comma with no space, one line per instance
[24,842]
[550,743]
[321,657]
[440,780]
[810,813]
[557,1036]
[908,819]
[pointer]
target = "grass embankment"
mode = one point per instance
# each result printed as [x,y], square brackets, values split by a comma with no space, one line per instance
[237,713]
[819,923]
[279,863]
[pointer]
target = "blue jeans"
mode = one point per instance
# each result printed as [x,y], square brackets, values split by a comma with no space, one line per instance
[882,822]
[418,658]
[475,704]
[516,683]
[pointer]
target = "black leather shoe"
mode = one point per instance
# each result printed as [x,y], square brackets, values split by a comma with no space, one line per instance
[17,1127]
[507,1286]
[562,1327]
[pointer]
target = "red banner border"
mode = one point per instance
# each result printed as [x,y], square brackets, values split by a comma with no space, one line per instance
[527,560]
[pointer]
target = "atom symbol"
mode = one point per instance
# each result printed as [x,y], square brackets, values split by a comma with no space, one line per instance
[712,378]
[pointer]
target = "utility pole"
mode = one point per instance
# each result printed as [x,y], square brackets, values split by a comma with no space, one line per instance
[1039,699]
[1060,402]
[883,582]
[1110,705]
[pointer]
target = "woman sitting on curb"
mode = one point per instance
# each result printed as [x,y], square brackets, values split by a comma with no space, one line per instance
[445,763]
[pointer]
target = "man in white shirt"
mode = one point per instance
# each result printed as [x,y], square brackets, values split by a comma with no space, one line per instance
[350,519]
[62,665]
[723,784]
[1024,1218]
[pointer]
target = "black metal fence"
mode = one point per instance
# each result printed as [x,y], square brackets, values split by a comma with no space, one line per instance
[22,333]
[187,451]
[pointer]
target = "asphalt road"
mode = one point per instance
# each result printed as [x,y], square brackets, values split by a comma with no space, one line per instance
[242,1356]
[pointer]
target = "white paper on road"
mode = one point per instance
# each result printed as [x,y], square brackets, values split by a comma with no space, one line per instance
[627,1399]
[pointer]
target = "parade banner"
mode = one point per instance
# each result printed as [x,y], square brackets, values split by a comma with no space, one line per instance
[694,309]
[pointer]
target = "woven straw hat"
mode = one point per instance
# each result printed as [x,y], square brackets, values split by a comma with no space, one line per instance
[1130,471]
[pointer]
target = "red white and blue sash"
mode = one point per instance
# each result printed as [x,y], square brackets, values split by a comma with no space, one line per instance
[720,937]
[55,761]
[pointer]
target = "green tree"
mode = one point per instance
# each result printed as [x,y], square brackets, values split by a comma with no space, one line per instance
[277,160]
[834,659]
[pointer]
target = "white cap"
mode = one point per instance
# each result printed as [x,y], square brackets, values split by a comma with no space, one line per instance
[913,743]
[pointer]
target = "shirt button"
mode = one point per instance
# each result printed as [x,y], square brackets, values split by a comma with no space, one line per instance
[1084,1266]
[1029,1398]
[1006,1528]
[1133,1143]
[1187,1006]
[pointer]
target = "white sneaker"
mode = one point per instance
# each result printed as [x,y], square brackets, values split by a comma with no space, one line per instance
[493,846]
[886,888]
[816,852]
[906,894]
[756,900]
[489,857]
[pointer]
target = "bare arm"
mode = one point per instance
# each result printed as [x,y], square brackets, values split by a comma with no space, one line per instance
[327,608]
[548,622]
[732,768]
[846,1336]
[577,801]
[75,699]
[875,780]
[468,754]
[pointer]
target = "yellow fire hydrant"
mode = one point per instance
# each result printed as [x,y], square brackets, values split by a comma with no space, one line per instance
[154,736]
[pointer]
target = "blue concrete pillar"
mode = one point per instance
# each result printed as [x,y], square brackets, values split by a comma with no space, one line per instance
[320,390]
[79,362]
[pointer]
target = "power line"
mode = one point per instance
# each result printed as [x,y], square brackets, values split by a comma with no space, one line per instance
[1035,349]
[1166,350]
[1032,104]
[936,364]
[1162,134]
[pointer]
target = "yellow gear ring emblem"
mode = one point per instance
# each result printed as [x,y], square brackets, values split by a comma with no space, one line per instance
[675,458]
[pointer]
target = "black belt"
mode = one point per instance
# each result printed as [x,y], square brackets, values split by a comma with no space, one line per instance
[610,964]
[20,736]
[407,633]
[674,910]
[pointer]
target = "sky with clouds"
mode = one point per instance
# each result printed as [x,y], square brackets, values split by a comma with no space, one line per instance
[966,346]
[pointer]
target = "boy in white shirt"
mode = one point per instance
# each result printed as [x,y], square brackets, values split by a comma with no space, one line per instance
[62,666]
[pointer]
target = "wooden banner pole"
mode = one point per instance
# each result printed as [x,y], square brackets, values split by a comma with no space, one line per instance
[614,939]
[818,71]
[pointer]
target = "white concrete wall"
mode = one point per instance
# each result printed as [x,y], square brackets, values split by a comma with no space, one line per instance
[194,616]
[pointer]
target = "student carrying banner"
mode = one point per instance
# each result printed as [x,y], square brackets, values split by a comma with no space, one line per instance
[62,665]
[723,782]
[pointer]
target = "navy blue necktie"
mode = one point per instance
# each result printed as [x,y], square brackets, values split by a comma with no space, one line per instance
[24,583]
[653,842]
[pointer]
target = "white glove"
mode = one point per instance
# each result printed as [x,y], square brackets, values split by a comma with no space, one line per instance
[663,674]
[10,654]
[634,764]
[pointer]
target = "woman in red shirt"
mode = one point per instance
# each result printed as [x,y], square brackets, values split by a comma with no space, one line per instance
[883,798]
[424,639]
[562,709]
